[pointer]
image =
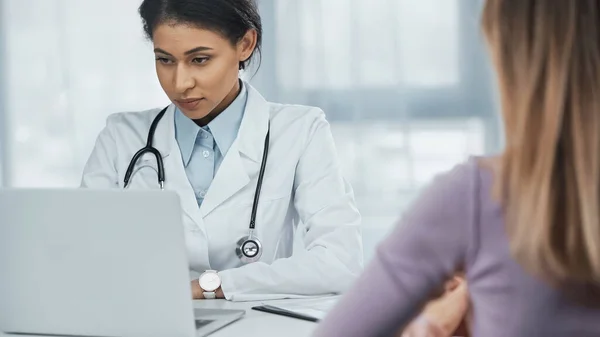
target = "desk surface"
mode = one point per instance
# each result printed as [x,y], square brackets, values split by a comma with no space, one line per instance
[254,323]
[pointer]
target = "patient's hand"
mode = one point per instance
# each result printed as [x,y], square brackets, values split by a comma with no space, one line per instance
[441,317]
[422,327]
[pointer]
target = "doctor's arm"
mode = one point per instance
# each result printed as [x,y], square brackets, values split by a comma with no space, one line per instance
[333,254]
[100,170]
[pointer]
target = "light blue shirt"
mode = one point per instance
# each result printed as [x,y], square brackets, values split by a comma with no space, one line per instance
[203,148]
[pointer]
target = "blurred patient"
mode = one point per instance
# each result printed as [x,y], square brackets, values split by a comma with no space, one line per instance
[525,225]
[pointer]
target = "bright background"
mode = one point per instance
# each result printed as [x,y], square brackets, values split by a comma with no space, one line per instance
[406,85]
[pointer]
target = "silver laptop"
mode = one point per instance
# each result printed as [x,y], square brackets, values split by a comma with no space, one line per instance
[97,263]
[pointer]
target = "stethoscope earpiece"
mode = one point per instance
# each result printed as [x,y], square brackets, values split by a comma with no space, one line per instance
[249,248]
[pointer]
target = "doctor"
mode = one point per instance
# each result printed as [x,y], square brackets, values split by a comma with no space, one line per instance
[248,172]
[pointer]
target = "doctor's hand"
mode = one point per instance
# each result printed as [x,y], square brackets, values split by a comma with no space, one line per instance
[198,293]
[443,316]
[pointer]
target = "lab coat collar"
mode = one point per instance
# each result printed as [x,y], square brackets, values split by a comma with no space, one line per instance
[255,124]
[232,175]
[226,125]
[165,132]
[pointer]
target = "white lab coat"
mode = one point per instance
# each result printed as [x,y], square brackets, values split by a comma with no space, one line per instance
[302,184]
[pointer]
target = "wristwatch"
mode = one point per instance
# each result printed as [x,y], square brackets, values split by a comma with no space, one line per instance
[209,282]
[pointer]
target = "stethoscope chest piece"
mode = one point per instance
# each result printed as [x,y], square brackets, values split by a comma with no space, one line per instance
[249,249]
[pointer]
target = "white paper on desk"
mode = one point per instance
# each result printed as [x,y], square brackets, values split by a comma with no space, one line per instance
[314,307]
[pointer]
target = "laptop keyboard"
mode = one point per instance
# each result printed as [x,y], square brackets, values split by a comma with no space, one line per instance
[202,323]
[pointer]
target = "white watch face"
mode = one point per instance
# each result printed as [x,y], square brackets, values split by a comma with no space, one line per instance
[210,281]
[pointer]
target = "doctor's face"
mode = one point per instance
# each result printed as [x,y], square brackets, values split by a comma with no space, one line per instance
[198,68]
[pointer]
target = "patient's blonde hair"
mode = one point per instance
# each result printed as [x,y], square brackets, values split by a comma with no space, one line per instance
[547,57]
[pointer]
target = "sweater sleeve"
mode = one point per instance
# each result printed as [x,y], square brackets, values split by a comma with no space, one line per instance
[429,245]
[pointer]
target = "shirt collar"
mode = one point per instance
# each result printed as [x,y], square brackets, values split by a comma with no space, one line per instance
[224,127]
[186,131]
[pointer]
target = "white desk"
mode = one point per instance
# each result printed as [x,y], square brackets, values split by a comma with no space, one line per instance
[254,323]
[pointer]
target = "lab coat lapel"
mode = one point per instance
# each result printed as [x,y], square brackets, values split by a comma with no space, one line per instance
[254,126]
[230,178]
[175,176]
[232,175]
[178,182]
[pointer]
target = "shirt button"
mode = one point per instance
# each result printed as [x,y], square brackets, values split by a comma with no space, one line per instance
[202,194]
[206,154]
[203,135]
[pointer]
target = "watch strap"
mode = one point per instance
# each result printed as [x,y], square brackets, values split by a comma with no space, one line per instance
[209,295]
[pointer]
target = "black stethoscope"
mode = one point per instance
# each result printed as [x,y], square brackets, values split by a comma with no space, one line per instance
[249,247]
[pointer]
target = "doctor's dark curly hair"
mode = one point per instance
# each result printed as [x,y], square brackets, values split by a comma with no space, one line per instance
[230,18]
